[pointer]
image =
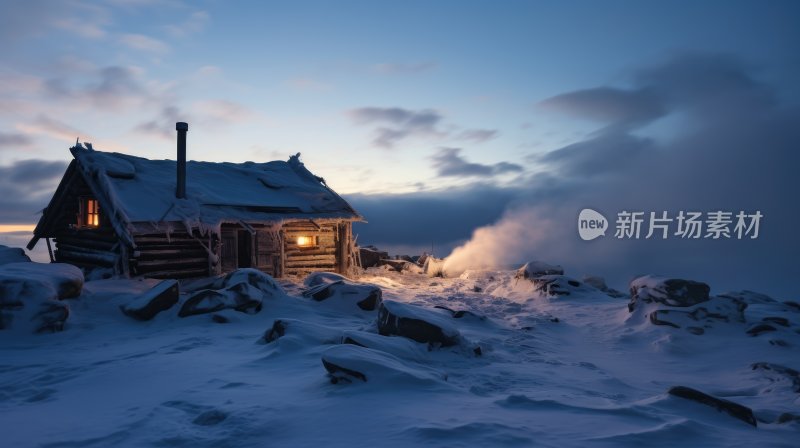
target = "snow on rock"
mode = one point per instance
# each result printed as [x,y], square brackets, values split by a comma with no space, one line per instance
[371,256]
[30,295]
[600,283]
[777,374]
[735,410]
[12,255]
[417,323]
[560,285]
[333,288]
[668,291]
[241,290]
[160,298]
[534,269]
[397,346]
[686,305]
[347,363]
[64,280]
[322,278]
[301,333]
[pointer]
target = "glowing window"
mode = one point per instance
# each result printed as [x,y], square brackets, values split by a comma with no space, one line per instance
[91,213]
[306,241]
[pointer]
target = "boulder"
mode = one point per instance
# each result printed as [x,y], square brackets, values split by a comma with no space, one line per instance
[160,298]
[238,297]
[397,346]
[713,311]
[371,256]
[322,278]
[301,333]
[12,255]
[600,283]
[534,269]
[242,290]
[348,363]
[553,285]
[49,316]
[735,410]
[31,293]
[396,265]
[777,373]
[417,323]
[672,292]
[339,290]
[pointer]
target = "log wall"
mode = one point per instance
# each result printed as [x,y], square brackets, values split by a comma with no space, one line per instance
[88,248]
[322,256]
[178,255]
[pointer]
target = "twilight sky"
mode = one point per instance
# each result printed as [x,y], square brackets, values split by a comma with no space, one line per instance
[435,118]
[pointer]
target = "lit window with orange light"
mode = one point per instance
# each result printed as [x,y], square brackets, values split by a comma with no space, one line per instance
[91,216]
[306,241]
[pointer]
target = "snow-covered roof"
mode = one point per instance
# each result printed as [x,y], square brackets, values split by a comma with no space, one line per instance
[139,194]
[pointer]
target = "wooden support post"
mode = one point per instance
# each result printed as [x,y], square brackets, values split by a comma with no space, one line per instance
[50,250]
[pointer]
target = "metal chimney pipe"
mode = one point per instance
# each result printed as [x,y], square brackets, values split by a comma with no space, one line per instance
[180,188]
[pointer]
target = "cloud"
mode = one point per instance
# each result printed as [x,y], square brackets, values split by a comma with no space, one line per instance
[442,218]
[25,188]
[14,140]
[398,124]
[735,148]
[602,154]
[20,20]
[164,124]
[45,125]
[195,23]
[448,162]
[111,87]
[609,105]
[206,113]
[477,135]
[222,111]
[404,69]
[144,43]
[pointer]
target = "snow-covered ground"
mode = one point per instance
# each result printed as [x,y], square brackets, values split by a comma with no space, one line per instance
[553,370]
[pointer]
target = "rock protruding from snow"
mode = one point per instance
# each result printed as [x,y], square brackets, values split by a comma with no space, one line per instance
[12,255]
[668,291]
[559,285]
[417,323]
[371,256]
[600,283]
[535,269]
[778,373]
[397,346]
[335,289]
[30,295]
[160,298]
[349,363]
[301,333]
[241,290]
[736,410]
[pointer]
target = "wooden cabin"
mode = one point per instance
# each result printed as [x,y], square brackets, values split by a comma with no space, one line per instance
[176,219]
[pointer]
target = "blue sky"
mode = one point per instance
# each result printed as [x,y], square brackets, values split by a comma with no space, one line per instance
[463,103]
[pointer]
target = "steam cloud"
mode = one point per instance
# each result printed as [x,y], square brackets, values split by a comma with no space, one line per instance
[731,146]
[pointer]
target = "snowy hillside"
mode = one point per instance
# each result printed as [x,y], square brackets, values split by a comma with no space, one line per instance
[506,359]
